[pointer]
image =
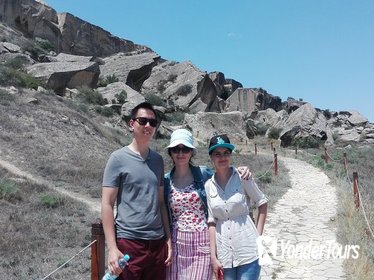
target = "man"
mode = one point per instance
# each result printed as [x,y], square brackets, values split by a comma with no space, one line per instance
[133,178]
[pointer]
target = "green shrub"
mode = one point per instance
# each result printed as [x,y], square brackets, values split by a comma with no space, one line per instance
[154,99]
[14,77]
[307,142]
[265,177]
[91,96]
[161,86]
[121,97]
[261,128]
[172,78]
[9,191]
[51,200]
[184,90]
[107,80]
[104,111]
[38,47]
[17,62]
[274,133]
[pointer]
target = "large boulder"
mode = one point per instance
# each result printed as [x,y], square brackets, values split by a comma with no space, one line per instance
[184,86]
[132,69]
[61,75]
[205,125]
[306,121]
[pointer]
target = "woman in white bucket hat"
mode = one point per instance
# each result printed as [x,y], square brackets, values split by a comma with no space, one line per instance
[188,211]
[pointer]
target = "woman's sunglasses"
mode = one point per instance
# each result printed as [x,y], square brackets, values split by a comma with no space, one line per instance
[176,150]
[144,121]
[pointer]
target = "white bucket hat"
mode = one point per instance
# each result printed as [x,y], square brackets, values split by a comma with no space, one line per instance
[181,137]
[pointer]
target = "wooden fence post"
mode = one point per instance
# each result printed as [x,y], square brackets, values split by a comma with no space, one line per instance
[326,156]
[255,148]
[271,146]
[355,190]
[296,150]
[275,165]
[97,251]
[345,162]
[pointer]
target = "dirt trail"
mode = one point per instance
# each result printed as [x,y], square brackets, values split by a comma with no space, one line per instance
[302,226]
[93,204]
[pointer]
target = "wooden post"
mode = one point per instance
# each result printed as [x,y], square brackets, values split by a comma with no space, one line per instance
[255,148]
[97,251]
[197,134]
[345,162]
[326,156]
[296,150]
[274,152]
[355,190]
[271,146]
[275,165]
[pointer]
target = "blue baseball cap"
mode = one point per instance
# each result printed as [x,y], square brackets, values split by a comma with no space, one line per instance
[220,141]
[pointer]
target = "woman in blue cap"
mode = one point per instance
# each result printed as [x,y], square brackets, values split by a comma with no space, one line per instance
[188,211]
[233,234]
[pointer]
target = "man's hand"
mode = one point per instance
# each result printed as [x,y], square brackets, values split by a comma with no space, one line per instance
[244,172]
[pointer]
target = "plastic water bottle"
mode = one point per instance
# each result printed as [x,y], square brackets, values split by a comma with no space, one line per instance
[122,263]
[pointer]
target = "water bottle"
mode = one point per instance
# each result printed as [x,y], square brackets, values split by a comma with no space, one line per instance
[122,263]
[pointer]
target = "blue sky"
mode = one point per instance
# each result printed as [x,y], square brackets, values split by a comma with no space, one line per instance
[321,51]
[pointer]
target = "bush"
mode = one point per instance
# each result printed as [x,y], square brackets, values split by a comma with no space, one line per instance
[107,80]
[9,191]
[91,96]
[104,111]
[121,97]
[17,62]
[274,133]
[172,78]
[154,99]
[51,200]
[261,128]
[307,142]
[184,90]
[14,77]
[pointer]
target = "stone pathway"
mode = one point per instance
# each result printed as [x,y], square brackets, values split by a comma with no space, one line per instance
[302,229]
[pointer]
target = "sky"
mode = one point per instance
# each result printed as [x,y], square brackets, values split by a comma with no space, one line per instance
[320,51]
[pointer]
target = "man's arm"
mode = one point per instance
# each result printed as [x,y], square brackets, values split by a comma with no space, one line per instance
[165,222]
[109,196]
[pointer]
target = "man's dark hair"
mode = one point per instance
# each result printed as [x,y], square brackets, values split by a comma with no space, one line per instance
[143,105]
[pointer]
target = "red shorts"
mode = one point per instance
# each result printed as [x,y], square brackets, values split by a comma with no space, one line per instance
[147,259]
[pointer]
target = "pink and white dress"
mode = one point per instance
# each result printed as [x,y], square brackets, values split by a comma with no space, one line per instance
[190,236]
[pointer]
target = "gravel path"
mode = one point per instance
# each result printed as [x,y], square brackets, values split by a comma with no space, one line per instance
[302,227]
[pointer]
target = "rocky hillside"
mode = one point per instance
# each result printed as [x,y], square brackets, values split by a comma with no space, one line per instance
[71,57]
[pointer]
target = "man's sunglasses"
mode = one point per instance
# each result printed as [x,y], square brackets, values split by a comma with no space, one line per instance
[144,121]
[176,150]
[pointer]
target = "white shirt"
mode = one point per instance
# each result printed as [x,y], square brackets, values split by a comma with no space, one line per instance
[228,208]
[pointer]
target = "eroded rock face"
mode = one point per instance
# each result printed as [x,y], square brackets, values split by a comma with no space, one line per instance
[64,31]
[250,100]
[183,86]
